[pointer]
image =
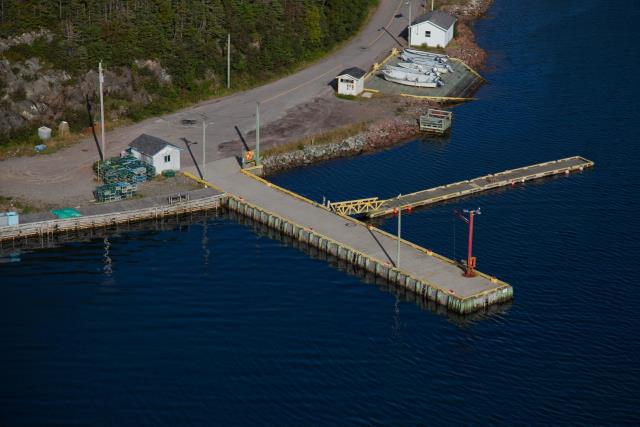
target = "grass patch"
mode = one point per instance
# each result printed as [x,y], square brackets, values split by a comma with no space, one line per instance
[345,97]
[21,143]
[333,135]
[20,206]
[425,48]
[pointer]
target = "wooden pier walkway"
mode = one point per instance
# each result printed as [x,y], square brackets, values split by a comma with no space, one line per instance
[421,270]
[483,183]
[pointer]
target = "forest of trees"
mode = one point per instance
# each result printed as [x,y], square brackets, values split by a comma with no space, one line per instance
[188,37]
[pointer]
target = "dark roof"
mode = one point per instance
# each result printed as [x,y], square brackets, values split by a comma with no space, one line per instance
[354,72]
[149,145]
[439,19]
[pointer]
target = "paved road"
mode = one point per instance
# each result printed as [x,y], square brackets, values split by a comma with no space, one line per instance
[66,176]
[226,174]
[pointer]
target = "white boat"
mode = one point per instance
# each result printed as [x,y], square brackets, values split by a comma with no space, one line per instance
[440,67]
[411,70]
[416,67]
[411,79]
[437,56]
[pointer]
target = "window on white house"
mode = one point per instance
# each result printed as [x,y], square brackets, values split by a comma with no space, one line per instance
[167,158]
[427,33]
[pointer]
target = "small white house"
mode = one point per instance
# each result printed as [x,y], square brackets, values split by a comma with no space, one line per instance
[157,152]
[351,81]
[434,29]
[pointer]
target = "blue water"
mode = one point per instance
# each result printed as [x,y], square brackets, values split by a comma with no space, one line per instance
[216,323]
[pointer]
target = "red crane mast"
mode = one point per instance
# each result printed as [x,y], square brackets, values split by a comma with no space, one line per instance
[471,260]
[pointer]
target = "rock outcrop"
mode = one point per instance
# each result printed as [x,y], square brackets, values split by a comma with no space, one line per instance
[34,93]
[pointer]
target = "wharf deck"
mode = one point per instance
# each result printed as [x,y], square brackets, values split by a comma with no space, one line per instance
[483,183]
[421,270]
[108,214]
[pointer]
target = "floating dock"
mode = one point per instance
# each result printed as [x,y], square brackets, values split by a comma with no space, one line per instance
[421,270]
[483,183]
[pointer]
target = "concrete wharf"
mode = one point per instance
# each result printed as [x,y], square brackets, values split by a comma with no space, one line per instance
[110,214]
[480,184]
[421,271]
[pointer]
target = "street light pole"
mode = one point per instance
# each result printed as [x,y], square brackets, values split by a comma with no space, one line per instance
[205,125]
[257,156]
[204,145]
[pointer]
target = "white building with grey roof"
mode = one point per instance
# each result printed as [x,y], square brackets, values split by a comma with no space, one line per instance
[351,81]
[433,29]
[157,152]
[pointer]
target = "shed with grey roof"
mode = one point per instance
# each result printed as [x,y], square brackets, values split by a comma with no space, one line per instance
[433,29]
[157,152]
[351,81]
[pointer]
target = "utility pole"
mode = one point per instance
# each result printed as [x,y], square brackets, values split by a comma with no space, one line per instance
[432,1]
[409,26]
[257,156]
[101,80]
[228,60]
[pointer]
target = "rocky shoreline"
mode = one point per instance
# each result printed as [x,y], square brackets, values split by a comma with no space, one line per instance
[379,135]
[465,46]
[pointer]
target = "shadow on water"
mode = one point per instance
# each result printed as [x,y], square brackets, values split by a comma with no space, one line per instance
[10,251]
[380,220]
[367,277]
[13,251]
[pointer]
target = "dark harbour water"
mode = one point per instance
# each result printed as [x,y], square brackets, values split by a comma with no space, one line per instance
[216,323]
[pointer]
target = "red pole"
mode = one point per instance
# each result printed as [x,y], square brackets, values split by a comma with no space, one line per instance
[470,260]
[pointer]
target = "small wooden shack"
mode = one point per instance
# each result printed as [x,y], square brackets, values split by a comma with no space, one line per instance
[351,81]
[157,152]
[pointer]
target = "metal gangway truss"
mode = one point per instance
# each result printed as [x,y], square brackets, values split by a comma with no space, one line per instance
[355,207]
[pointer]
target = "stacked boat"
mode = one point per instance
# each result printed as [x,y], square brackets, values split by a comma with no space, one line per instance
[420,69]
